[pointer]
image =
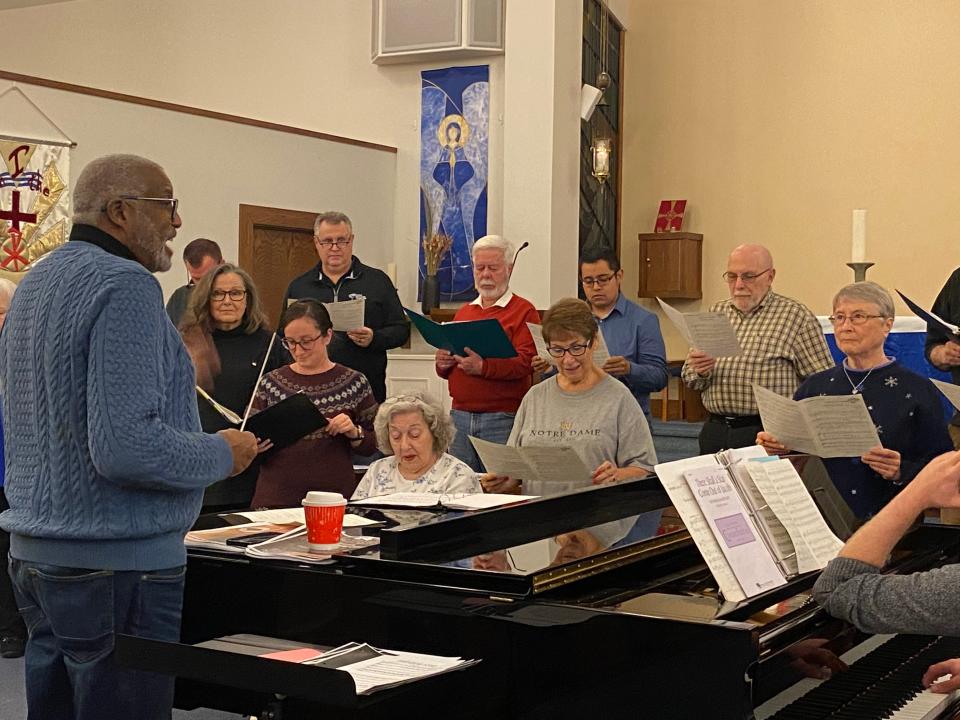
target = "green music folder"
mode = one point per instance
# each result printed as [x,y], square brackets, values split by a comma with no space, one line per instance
[485,337]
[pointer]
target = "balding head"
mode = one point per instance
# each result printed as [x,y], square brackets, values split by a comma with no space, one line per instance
[749,275]
[110,195]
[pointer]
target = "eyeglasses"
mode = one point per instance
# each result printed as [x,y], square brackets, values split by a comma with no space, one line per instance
[336,242]
[731,277]
[304,344]
[575,350]
[173,202]
[855,319]
[221,295]
[599,280]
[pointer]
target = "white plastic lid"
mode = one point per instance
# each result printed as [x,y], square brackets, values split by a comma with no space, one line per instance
[316,497]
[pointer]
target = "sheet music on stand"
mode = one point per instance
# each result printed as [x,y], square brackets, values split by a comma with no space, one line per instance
[776,506]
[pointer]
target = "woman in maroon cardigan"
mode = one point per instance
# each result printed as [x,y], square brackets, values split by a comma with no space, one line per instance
[323,459]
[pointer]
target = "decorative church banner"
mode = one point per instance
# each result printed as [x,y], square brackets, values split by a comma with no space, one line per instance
[34,202]
[454,135]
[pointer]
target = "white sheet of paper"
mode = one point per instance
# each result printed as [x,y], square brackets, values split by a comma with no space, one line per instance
[600,355]
[414,500]
[395,667]
[739,539]
[951,391]
[828,426]
[782,487]
[347,315]
[482,501]
[503,459]
[285,515]
[671,477]
[708,332]
[543,464]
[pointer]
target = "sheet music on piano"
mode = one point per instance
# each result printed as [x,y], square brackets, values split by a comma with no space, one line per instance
[779,511]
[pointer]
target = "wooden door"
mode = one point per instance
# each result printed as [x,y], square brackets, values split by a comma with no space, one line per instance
[275,246]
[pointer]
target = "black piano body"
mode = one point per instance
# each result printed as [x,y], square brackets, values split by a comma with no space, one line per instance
[629,630]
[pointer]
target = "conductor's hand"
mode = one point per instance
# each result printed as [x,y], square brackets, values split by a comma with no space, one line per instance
[539,364]
[946,355]
[769,443]
[884,462]
[938,484]
[243,446]
[700,362]
[470,362]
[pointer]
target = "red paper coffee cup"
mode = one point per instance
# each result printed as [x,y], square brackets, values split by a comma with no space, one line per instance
[324,515]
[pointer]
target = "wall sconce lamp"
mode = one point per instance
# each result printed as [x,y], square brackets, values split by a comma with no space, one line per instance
[601,150]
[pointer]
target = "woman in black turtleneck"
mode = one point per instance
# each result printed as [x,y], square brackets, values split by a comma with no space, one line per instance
[225,331]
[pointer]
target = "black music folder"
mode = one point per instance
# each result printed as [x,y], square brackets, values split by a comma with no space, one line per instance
[286,422]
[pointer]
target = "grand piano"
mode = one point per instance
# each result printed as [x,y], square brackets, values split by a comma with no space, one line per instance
[570,609]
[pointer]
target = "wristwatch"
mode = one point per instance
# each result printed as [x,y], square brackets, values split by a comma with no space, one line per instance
[359,436]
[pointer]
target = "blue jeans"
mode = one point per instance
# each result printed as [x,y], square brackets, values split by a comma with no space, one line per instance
[494,427]
[71,616]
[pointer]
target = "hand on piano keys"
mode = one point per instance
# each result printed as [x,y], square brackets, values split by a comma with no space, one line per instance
[943,677]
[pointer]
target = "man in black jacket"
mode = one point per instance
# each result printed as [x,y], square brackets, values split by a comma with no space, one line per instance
[340,276]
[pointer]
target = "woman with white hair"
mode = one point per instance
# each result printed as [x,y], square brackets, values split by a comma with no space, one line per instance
[904,406]
[415,432]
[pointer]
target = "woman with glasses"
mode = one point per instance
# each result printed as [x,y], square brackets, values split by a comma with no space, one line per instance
[905,407]
[581,407]
[322,460]
[225,331]
[414,432]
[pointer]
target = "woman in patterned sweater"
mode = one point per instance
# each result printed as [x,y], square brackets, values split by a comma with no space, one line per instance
[321,460]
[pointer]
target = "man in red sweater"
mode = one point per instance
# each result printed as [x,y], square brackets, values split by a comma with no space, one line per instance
[487,392]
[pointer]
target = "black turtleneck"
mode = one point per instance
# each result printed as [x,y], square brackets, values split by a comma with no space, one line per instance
[105,241]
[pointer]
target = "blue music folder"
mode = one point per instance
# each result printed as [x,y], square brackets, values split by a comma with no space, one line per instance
[485,337]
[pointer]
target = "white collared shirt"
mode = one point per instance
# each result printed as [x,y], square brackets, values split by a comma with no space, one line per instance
[501,301]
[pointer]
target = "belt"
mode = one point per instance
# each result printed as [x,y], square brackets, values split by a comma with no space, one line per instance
[736,421]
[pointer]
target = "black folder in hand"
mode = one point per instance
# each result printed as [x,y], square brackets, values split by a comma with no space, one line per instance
[287,421]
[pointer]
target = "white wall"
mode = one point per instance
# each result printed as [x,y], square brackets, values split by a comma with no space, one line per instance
[307,63]
[216,165]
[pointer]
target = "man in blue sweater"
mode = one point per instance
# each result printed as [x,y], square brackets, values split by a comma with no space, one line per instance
[105,461]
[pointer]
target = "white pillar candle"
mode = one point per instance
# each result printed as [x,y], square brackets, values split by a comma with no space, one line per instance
[858,252]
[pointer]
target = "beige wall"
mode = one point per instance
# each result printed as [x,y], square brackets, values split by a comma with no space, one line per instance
[776,118]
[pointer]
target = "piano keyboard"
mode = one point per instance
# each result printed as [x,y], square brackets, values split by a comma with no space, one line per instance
[883,682]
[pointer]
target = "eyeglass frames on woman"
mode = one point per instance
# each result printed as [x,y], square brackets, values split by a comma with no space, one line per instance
[221,295]
[731,277]
[304,344]
[855,319]
[575,350]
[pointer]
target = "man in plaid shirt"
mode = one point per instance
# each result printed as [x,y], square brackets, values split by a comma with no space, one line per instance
[781,342]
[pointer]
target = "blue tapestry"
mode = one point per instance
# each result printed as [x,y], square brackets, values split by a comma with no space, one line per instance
[454,135]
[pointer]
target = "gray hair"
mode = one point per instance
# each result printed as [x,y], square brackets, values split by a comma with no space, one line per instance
[494,242]
[7,288]
[107,178]
[437,419]
[331,217]
[870,292]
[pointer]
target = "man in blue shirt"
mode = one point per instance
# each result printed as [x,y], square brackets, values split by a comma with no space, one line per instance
[637,356]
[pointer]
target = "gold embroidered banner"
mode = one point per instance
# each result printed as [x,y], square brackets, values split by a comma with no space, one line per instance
[34,203]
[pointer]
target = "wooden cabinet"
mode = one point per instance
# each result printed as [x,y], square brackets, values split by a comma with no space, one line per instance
[671,265]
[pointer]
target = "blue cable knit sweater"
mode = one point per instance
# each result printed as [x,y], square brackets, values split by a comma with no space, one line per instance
[105,464]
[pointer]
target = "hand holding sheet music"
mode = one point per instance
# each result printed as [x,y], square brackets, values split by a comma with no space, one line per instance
[547,465]
[828,426]
[709,332]
[348,314]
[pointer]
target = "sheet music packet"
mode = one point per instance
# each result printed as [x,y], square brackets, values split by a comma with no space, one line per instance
[747,545]
[347,315]
[708,332]
[600,355]
[827,426]
[542,466]
[951,331]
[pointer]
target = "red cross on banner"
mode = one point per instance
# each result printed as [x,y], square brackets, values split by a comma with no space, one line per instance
[15,216]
